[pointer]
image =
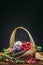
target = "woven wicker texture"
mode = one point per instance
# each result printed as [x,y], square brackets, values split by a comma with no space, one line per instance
[12,40]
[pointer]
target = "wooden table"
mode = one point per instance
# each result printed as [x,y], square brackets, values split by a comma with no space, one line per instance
[5,63]
[37,63]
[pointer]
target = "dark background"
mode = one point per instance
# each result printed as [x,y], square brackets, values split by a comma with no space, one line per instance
[27,14]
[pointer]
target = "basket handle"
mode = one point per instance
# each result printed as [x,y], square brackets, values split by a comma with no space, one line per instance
[12,38]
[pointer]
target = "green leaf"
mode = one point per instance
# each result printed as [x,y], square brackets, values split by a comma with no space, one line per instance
[6,51]
[1,57]
[39,48]
[9,57]
[19,61]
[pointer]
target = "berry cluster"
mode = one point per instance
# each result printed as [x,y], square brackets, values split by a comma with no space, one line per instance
[31,60]
[26,46]
[19,46]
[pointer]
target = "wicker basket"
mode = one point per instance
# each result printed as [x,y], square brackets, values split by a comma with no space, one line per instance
[12,40]
[31,51]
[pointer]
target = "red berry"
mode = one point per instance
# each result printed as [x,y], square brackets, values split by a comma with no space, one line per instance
[26,46]
[31,60]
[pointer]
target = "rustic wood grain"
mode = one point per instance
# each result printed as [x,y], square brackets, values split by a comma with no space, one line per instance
[5,63]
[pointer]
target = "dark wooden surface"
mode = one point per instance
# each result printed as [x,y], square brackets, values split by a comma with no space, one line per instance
[5,63]
[37,63]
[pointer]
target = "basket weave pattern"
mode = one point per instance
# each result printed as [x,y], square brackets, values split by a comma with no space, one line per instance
[12,40]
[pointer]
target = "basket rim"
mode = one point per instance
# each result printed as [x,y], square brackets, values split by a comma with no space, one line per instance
[12,40]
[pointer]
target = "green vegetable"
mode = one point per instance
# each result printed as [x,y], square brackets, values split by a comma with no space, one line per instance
[39,48]
[6,51]
[9,57]
[1,58]
[20,61]
[8,54]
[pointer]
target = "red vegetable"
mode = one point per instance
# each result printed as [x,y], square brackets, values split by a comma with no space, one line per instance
[31,60]
[26,46]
